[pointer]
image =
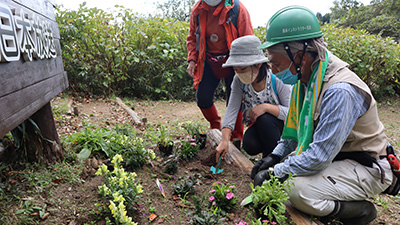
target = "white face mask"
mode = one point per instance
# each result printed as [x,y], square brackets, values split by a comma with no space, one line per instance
[213,2]
[247,77]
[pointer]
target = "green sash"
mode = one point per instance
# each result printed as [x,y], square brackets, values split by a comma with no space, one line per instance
[299,124]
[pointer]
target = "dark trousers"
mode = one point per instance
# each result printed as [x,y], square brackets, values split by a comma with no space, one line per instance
[207,86]
[263,135]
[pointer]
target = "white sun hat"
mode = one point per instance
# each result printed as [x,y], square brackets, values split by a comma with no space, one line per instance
[244,52]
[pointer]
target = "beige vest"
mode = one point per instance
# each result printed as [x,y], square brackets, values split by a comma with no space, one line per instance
[368,133]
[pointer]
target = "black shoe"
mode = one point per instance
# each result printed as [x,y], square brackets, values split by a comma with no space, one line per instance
[354,212]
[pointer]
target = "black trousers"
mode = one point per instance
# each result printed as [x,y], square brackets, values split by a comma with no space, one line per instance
[263,135]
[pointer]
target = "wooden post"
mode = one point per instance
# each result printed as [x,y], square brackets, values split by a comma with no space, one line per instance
[46,146]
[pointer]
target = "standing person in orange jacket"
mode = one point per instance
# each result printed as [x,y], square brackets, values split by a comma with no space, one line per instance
[214,24]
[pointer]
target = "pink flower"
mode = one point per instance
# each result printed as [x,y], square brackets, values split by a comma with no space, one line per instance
[273,223]
[227,190]
[211,198]
[192,143]
[242,223]
[232,186]
[265,221]
[214,203]
[230,195]
[212,191]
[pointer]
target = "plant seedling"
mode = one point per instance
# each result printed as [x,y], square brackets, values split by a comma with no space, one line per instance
[217,169]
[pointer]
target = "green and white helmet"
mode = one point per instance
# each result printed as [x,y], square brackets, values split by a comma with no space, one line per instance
[292,23]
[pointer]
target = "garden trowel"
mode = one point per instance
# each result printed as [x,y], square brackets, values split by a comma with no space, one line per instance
[217,170]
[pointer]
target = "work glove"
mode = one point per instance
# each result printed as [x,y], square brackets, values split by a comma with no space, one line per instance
[264,164]
[263,175]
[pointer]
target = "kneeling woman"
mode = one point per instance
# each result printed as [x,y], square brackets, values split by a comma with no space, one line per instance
[262,97]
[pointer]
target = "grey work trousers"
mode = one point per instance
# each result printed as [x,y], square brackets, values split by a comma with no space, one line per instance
[344,180]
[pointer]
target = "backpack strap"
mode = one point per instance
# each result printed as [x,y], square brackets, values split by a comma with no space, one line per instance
[273,81]
[233,14]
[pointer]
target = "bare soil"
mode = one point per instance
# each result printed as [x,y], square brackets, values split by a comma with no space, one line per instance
[76,204]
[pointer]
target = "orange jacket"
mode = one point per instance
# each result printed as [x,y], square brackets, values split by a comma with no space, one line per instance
[244,27]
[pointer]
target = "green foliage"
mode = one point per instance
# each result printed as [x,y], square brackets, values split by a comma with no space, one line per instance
[188,149]
[194,128]
[201,217]
[28,209]
[102,141]
[171,165]
[376,60]
[222,197]
[185,186]
[381,17]
[268,199]
[122,53]
[121,188]
[176,9]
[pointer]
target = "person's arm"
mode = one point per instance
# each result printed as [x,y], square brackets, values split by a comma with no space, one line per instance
[342,105]
[191,39]
[229,121]
[260,109]
[244,26]
[284,93]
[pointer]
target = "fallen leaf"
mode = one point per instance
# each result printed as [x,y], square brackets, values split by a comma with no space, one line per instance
[152,217]
[45,215]
[175,197]
[161,220]
[57,180]
[35,214]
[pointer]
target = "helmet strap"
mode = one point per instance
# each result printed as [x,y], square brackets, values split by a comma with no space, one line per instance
[297,65]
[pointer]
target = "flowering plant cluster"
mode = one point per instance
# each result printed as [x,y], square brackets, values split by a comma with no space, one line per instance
[121,188]
[188,149]
[222,196]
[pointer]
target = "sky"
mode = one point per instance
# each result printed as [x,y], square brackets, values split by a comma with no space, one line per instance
[260,10]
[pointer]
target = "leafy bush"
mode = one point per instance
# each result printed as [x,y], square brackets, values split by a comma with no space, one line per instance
[374,59]
[122,53]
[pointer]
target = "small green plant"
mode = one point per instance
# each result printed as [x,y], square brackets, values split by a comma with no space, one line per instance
[201,217]
[268,199]
[186,186]
[194,128]
[121,188]
[222,197]
[197,132]
[164,142]
[171,165]
[29,209]
[188,149]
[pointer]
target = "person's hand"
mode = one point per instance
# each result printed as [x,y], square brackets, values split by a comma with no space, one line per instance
[191,67]
[263,175]
[222,149]
[257,111]
[264,164]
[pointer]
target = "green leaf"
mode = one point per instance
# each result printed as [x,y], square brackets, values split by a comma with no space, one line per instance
[84,154]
